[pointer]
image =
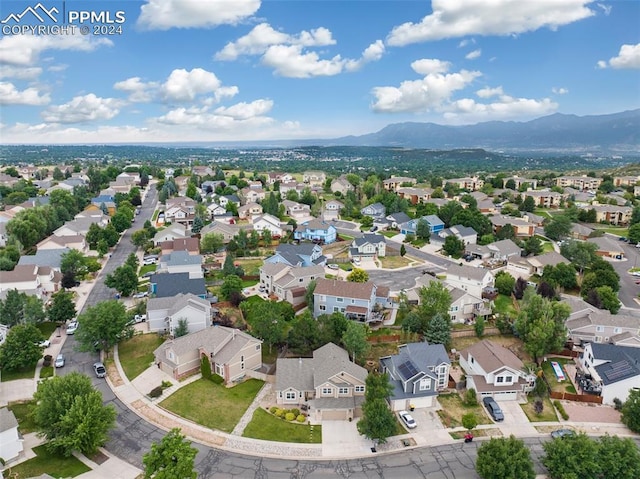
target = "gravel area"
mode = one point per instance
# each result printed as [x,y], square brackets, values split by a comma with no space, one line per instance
[590,412]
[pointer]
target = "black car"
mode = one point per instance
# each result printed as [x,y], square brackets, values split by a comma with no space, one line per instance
[493,408]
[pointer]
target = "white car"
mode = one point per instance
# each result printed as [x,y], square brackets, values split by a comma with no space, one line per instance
[407,419]
[44,344]
[144,294]
[333,266]
[59,361]
[147,262]
[71,327]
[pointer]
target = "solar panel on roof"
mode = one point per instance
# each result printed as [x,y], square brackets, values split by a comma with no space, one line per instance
[407,369]
[618,370]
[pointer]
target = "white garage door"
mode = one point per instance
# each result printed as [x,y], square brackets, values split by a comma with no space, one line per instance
[505,396]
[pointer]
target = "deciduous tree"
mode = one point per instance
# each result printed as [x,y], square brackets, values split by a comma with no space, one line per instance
[571,457]
[211,243]
[631,411]
[106,323]
[20,348]
[355,340]
[305,335]
[172,458]
[358,275]
[123,279]
[62,307]
[504,458]
[377,422]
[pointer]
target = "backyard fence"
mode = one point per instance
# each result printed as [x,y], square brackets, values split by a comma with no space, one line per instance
[567,353]
[590,398]
[465,333]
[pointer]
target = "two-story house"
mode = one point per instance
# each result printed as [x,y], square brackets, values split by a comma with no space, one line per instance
[304,254]
[164,314]
[191,245]
[56,242]
[166,285]
[392,184]
[297,211]
[466,234]
[10,439]
[600,326]
[368,246]
[317,231]
[341,185]
[182,262]
[493,370]
[175,231]
[314,178]
[328,383]
[410,227]
[521,228]
[289,283]
[249,210]
[252,195]
[377,211]
[268,222]
[23,278]
[417,373]
[472,280]
[357,301]
[232,354]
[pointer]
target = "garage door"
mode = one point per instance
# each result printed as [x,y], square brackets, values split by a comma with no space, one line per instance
[334,415]
[505,396]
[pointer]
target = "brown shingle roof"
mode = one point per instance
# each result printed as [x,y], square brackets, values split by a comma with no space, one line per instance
[492,356]
[344,289]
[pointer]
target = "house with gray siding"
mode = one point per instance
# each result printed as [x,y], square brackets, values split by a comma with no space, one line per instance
[357,301]
[164,314]
[289,283]
[304,254]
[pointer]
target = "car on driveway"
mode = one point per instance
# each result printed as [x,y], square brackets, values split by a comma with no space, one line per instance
[560,433]
[493,408]
[333,266]
[99,369]
[144,294]
[59,361]
[407,419]
[44,344]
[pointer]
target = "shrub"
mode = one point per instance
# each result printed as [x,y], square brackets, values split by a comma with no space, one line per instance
[47,360]
[156,392]
[300,418]
[273,409]
[289,416]
[295,411]
[217,379]
[479,327]
[538,406]
[279,412]
[617,404]
[470,398]
[560,409]
[166,384]
[205,367]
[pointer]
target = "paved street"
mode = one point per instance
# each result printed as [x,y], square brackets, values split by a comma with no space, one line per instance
[628,288]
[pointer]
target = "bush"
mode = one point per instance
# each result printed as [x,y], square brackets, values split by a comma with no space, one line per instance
[166,384]
[279,412]
[156,392]
[217,379]
[296,412]
[560,409]
[273,409]
[47,360]
[538,406]
[289,416]
[300,418]
[470,398]
[617,404]
[205,367]
[504,325]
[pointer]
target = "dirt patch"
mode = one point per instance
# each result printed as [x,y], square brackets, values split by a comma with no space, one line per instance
[112,372]
[512,343]
[99,457]
[591,412]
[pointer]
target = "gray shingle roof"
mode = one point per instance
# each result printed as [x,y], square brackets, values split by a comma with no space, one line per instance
[172,284]
[344,289]
[369,238]
[623,362]
[469,272]
[7,420]
[45,257]
[179,258]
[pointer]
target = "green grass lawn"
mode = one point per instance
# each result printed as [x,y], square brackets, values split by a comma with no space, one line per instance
[47,463]
[614,230]
[453,409]
[504,305]
[547,247]
[24,373]
[250,282]
[556,385]
[46,372]
[268,427]
[47,328]
[251,267]
[389,234]
[136,354]
[146,269]
[22,411]
[548,413]
[212,405]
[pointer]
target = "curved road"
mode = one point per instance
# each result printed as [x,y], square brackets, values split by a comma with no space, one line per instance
[132,437]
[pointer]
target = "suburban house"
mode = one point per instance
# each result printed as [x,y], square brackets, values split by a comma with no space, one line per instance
[274,176]
[410,227]
[316,178]
[357,301]
[289,283]
[23,278]
[341,185]
[317,231]
[10,439]
[227,231]
[297,211]
[493,370]
[467,183]
[466,234]
[615,215]
[417,373]
[81,224]
[214,209]
[580,232]
[329,383]
[167,285]
[521,228]
[578,182]
[268,222]
[333,205]
[531,265]
[545,199]
[191,245]
[105,203]
[396,219]
[172,232]
[392,184]
[46,257]
[368,246]
[304,254]
[600,326]
[502,250]
[232,353]
[376,210]
[414,195]
[607,247]
[475,281]
[57,242]
[615,368]
[182,262]
[252,195]
[249,210]
[163,314]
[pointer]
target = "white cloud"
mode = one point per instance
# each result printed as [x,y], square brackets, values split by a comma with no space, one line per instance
[138,90]
[507,108]
[25,49]
[430,93]
[10,95]
[559,90]
[605,8]
[290,61]
[245,111]
[183,85]
[457,18]
[58,68]
[465,42]
[20,73]
[426,66]
[83,109]
[474,54]
[489,92]
[372,53]
[166,14]
[628,58]
[262,36]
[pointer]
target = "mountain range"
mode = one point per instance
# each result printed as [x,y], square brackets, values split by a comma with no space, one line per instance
[613,133]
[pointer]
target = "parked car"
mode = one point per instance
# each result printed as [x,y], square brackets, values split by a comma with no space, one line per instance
[407,419]
[493,408]
[71,327]
[560,433]
[333,266]
[147,262]
[143,294]
[99,369]
[59,361]
[373,229]
[139,318]
[44,344]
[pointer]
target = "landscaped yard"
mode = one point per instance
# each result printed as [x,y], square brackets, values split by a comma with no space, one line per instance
[46,463]
[560,386]
[268,427]
[146,269]
[614,230]
[213,405]
[393,262]
[136,354]
[251,267]
[510,342]
[25,373]
[453,409]
[22,411]
[47,328]
[548,412]
[503,304]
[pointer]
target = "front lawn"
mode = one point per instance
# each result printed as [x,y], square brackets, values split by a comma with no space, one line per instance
[22,411]
[47,463]
[212,405]
[47,328]
[614,230]
[136,354]
[453,409]
[548,412]
[24,373]
[393,262]
[46,372]
[146,269]
[268,427]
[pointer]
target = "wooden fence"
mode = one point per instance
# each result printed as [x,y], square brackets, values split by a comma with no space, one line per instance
[576,397]
[384,338]
[567,353]
[465,333]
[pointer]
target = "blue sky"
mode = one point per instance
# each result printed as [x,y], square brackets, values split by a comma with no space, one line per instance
[224,70]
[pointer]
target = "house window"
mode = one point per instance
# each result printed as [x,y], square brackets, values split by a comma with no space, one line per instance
[499,379]
[599,329]
[220,370]
[359,389]
[508,379]
[472,360]
[617,330]
[300,280]
[336,309]
[257,347]
[339,300]
[327,391]
[425,385]
[290,395]
[322,307]
[343,390]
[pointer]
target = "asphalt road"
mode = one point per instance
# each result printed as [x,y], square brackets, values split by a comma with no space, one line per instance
[628,288]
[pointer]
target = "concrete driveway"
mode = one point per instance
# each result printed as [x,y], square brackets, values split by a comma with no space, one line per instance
[429,430]
[340,438]
[515,421]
